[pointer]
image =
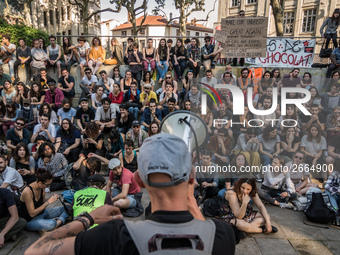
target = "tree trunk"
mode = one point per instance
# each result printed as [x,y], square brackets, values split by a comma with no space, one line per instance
[27,14]
[182,21]
[134,24]
[86,19]
[278,16]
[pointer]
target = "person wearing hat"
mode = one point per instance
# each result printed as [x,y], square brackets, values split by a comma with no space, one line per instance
[84,114]
[83,48]
[146,95]
[169,183]
[92,197]
[137,135]
[53,96]
[122,196]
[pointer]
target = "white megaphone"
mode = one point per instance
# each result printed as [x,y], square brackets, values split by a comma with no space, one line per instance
[188,126]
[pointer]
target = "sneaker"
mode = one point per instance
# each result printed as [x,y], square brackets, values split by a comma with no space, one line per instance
[287,205]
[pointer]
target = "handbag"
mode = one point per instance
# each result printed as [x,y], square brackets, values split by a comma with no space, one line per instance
[325,53]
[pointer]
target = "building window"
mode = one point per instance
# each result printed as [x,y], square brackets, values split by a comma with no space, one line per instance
[309,18]
[177,32]
[131,32]
[57,16]
[81,15]
[142,31]
[45,19]
[69,32]
[62,14]
[235,3]
[288,22]
[197,34]
[188,33]
[251,1]
[51,17]
[123,32]
[69,12]
[64,33]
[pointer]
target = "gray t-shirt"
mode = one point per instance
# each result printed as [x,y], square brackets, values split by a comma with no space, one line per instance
[11,46]
[31,163]
[313,147]
[105,116]
[88,82]
[50,129]
[269,146]
[109,82]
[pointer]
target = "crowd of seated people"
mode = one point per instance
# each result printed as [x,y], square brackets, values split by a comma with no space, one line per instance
[45,131]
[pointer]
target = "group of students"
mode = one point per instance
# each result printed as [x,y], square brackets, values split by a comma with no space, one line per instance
[45,134]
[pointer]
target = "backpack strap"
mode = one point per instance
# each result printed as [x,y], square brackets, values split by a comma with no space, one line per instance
[328,203]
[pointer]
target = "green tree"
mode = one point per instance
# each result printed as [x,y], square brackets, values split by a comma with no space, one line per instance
[278,11]
[130,6]
[21,31]
[185,9]
[133,12]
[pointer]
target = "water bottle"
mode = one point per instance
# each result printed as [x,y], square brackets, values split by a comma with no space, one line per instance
[149,67]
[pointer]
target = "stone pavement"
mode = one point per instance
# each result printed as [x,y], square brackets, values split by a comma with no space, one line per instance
[293,237]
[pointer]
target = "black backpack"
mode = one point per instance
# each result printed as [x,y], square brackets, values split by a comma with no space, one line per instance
[319,208]
[211,207]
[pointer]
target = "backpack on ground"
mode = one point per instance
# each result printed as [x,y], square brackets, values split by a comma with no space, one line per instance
[211,207]
[319,208]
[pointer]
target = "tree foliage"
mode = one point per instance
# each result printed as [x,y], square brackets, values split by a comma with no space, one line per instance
[133,12]
[21,31]
[185,9]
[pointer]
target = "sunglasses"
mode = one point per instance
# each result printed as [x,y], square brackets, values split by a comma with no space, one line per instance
[135,126]
[242,14]
[301,158]
[167,77]
[20,124]
[87,72]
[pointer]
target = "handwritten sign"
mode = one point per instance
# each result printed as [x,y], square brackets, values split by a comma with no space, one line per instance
[283,52]
[220,36]
[244,37]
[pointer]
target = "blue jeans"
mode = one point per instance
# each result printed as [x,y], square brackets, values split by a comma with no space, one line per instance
[162,72]
[47,221]
[334,199]
[135,111]
[133,202]
[11,66]
[180,68]
[265,160]
[122,130]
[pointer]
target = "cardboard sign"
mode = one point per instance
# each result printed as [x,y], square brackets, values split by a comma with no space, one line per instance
[243,37]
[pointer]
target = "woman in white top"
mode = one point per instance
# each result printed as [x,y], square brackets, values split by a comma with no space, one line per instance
[277,187]
[8,93]
[97,96]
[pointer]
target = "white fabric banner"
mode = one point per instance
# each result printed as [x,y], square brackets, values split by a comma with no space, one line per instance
[283,52]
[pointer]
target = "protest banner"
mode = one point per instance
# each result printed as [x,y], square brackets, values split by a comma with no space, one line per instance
[243,37]
[282,52]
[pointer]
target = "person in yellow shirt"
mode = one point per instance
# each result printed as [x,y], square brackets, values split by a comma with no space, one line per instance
[96,55]
[146,95]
